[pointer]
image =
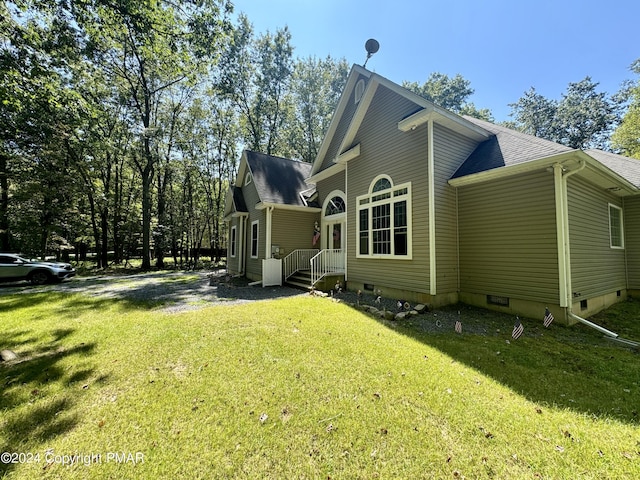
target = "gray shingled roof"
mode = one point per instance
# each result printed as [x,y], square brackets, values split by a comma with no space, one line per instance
[238,200]
[279,180]
[506,147]
[627,168]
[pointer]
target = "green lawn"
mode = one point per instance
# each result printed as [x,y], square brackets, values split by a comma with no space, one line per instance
[308,388]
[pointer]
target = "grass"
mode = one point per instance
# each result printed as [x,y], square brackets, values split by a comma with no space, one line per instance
[308,388]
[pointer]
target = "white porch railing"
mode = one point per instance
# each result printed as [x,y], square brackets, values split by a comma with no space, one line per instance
[326,262]
[298,260]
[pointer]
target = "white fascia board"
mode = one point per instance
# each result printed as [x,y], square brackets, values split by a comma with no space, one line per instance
[354,75]
[594,165]
[326,173]
[504,172]
[414,121]
[361,111]
[444,118]
[546,162]
[228,217]
[353,152]
[281,206]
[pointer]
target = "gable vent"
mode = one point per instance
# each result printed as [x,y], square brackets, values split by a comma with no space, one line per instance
[359,90]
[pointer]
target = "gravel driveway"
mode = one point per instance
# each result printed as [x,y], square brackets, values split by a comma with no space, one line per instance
[175,291]
[182,291]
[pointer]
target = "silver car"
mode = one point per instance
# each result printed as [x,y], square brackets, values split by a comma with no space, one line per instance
[14,268]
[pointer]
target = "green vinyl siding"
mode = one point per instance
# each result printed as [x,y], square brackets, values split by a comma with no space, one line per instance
[632,240]
[507,231]
[403,157]
[341,129]
[328,185]
[233,263]
[596,268]
[254,265]
[292,230]
[450,150]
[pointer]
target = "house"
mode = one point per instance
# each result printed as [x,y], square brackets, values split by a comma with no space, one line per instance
[271,211]
[429,206]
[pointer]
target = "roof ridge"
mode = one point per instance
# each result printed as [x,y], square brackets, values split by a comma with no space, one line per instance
[254,152]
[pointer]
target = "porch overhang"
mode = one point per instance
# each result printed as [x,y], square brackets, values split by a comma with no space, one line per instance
[231,215]
[281,206]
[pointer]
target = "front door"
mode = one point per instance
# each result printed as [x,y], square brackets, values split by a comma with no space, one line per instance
[334,232]
[334,235]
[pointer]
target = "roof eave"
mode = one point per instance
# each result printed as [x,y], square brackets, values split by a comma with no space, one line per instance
[326,173]
[504,172]
[283,206]
[620,186]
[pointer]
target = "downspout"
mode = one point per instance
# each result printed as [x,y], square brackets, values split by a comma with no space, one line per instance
[432,209]
[242,245]
[561,235]
[564,252]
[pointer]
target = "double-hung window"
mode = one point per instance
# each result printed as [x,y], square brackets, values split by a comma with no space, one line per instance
[616,234]
[233,241]
[254,239]
[384,220]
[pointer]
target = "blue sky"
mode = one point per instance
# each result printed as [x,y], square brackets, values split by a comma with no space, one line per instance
[503,47]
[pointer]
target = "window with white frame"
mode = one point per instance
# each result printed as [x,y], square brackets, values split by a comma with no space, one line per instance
[616,233]
[248,178]
[232,242]
[335,206]
[254,239]
[384,214]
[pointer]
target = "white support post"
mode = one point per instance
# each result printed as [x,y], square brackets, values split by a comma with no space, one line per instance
[432,209]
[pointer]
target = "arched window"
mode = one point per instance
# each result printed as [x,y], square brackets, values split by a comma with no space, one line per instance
[384,220]
[383,183]
[335,206]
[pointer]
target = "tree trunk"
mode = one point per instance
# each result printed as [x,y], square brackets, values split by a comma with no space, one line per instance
[104,242]
[5,244]
[146,219]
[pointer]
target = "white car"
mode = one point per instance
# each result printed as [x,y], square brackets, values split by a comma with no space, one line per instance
[14,268]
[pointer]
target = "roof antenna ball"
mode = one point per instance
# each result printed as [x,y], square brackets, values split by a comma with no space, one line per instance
[371,46]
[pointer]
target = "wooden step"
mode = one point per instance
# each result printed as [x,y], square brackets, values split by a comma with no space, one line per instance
[301,279]
[294,283]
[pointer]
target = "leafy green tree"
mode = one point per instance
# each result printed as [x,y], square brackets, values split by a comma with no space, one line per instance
[583,118]
[316,88]
[450,93]
[147,47]
[40,110]
[535,114]
[255,73]
[626,137]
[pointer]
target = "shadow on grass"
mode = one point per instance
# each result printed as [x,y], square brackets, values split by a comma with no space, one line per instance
[562,367]
[34,408]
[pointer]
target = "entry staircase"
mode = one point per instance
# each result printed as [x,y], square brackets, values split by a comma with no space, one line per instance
[304,268]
